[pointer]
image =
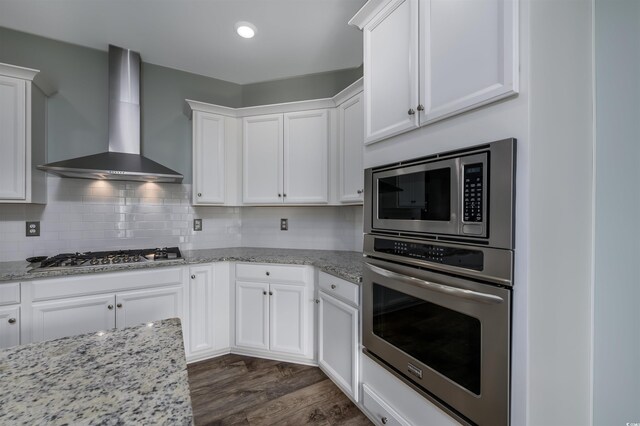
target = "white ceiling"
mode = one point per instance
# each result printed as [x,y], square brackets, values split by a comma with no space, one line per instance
[294,37]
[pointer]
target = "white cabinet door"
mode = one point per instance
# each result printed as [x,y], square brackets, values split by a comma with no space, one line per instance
[338,342]
[138,307]
[262,159]
[306,151]
[391,71]
[200,315]
[208,158]
[288,318]
[468,54]
[69,317]
[13,142]
[252,315]
[9,327]
[351,144]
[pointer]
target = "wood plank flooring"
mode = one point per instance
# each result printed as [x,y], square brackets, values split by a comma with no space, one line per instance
[240,390]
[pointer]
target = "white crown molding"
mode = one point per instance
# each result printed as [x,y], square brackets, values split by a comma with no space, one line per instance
[28,74]
[191,105]
[367,12]
[349,91]
[286,107]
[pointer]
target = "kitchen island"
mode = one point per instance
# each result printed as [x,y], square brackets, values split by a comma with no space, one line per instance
[135,375]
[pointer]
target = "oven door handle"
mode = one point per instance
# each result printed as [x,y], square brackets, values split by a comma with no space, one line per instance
[440,288]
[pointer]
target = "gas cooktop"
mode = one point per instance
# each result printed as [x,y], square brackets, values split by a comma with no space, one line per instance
[115,257]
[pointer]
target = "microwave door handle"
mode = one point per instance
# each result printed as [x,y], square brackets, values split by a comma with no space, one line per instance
[440,288]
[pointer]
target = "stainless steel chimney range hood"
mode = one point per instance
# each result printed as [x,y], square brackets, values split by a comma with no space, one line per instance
[123,161]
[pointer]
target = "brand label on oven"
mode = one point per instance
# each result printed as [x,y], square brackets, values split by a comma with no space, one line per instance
[414,370]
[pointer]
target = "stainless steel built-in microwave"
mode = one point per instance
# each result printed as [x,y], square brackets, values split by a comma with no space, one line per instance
[464,195]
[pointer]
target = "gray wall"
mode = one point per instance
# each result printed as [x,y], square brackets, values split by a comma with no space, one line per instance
[78,112]
[616,387]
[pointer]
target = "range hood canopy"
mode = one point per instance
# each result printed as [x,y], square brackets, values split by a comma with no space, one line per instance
[123,161]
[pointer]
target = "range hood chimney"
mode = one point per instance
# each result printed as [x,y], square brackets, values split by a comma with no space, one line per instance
[123,160]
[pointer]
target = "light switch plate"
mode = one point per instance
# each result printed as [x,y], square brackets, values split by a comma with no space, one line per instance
[284,224]
[33,229]
[197,224]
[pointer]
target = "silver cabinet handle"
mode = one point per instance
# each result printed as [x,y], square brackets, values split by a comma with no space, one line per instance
[193,277]
[12,320]
[199,194]
[359,191]
[268,273]
[384,420]
[333,286]
[411,111]
[119,305]
[110,307]
[420,107]
[440,288]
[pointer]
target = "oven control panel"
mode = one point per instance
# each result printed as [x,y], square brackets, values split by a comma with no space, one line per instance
[452,256]
[473,192]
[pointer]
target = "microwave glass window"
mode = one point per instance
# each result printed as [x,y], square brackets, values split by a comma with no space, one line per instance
[445,340]
[422,195]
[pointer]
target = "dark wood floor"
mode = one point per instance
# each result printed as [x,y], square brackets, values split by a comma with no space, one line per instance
[239,390]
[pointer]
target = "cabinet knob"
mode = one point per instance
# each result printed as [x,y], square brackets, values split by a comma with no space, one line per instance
[268,273]
[119,305]
[411,111]
[333,286]
[12,320]
[279,195]
[284,195]
[193,277]
[270,293]
[384,420]
[110,307]
[317,300]
[420,107]
[264,292]
[360,191]
[199,194]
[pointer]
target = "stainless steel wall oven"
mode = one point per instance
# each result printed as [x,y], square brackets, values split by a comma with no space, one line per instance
[437,294]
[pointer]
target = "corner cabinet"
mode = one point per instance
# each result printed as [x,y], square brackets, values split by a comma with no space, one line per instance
[286,158]
[215,153]
[432,59]
[351,150]
[274,311]
[22,135]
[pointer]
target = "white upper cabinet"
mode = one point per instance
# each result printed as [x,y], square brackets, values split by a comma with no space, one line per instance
[391,71]
[216,154]
[306,151]
[286,158]
[468,55]
[22,136]
[350,145]
[262,154]
[431,59]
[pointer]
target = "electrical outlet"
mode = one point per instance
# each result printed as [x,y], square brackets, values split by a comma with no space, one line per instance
[284,224]
[33,229]
[197,224]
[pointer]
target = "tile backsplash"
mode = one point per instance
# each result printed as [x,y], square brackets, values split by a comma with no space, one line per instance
[84,215]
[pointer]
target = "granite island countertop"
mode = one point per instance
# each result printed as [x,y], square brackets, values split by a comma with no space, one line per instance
[342,264]
[136,375]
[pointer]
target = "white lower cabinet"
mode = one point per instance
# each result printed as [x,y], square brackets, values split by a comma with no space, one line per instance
[338,342]
[206,321]
[78,315]
[9,326]
[274,318]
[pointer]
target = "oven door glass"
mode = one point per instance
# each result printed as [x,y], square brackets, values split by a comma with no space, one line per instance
[447,341]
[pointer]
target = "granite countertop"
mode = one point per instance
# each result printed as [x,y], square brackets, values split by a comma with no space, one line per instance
[136,375]
[342,264]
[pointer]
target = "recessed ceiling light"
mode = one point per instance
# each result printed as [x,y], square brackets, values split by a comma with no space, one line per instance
[245,29]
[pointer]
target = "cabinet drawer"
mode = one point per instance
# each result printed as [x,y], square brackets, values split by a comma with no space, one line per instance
[9,293]
[269,272]
[56,288]
[340,288]
[380,410]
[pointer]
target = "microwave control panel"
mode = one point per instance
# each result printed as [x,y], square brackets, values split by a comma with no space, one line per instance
[473,192]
